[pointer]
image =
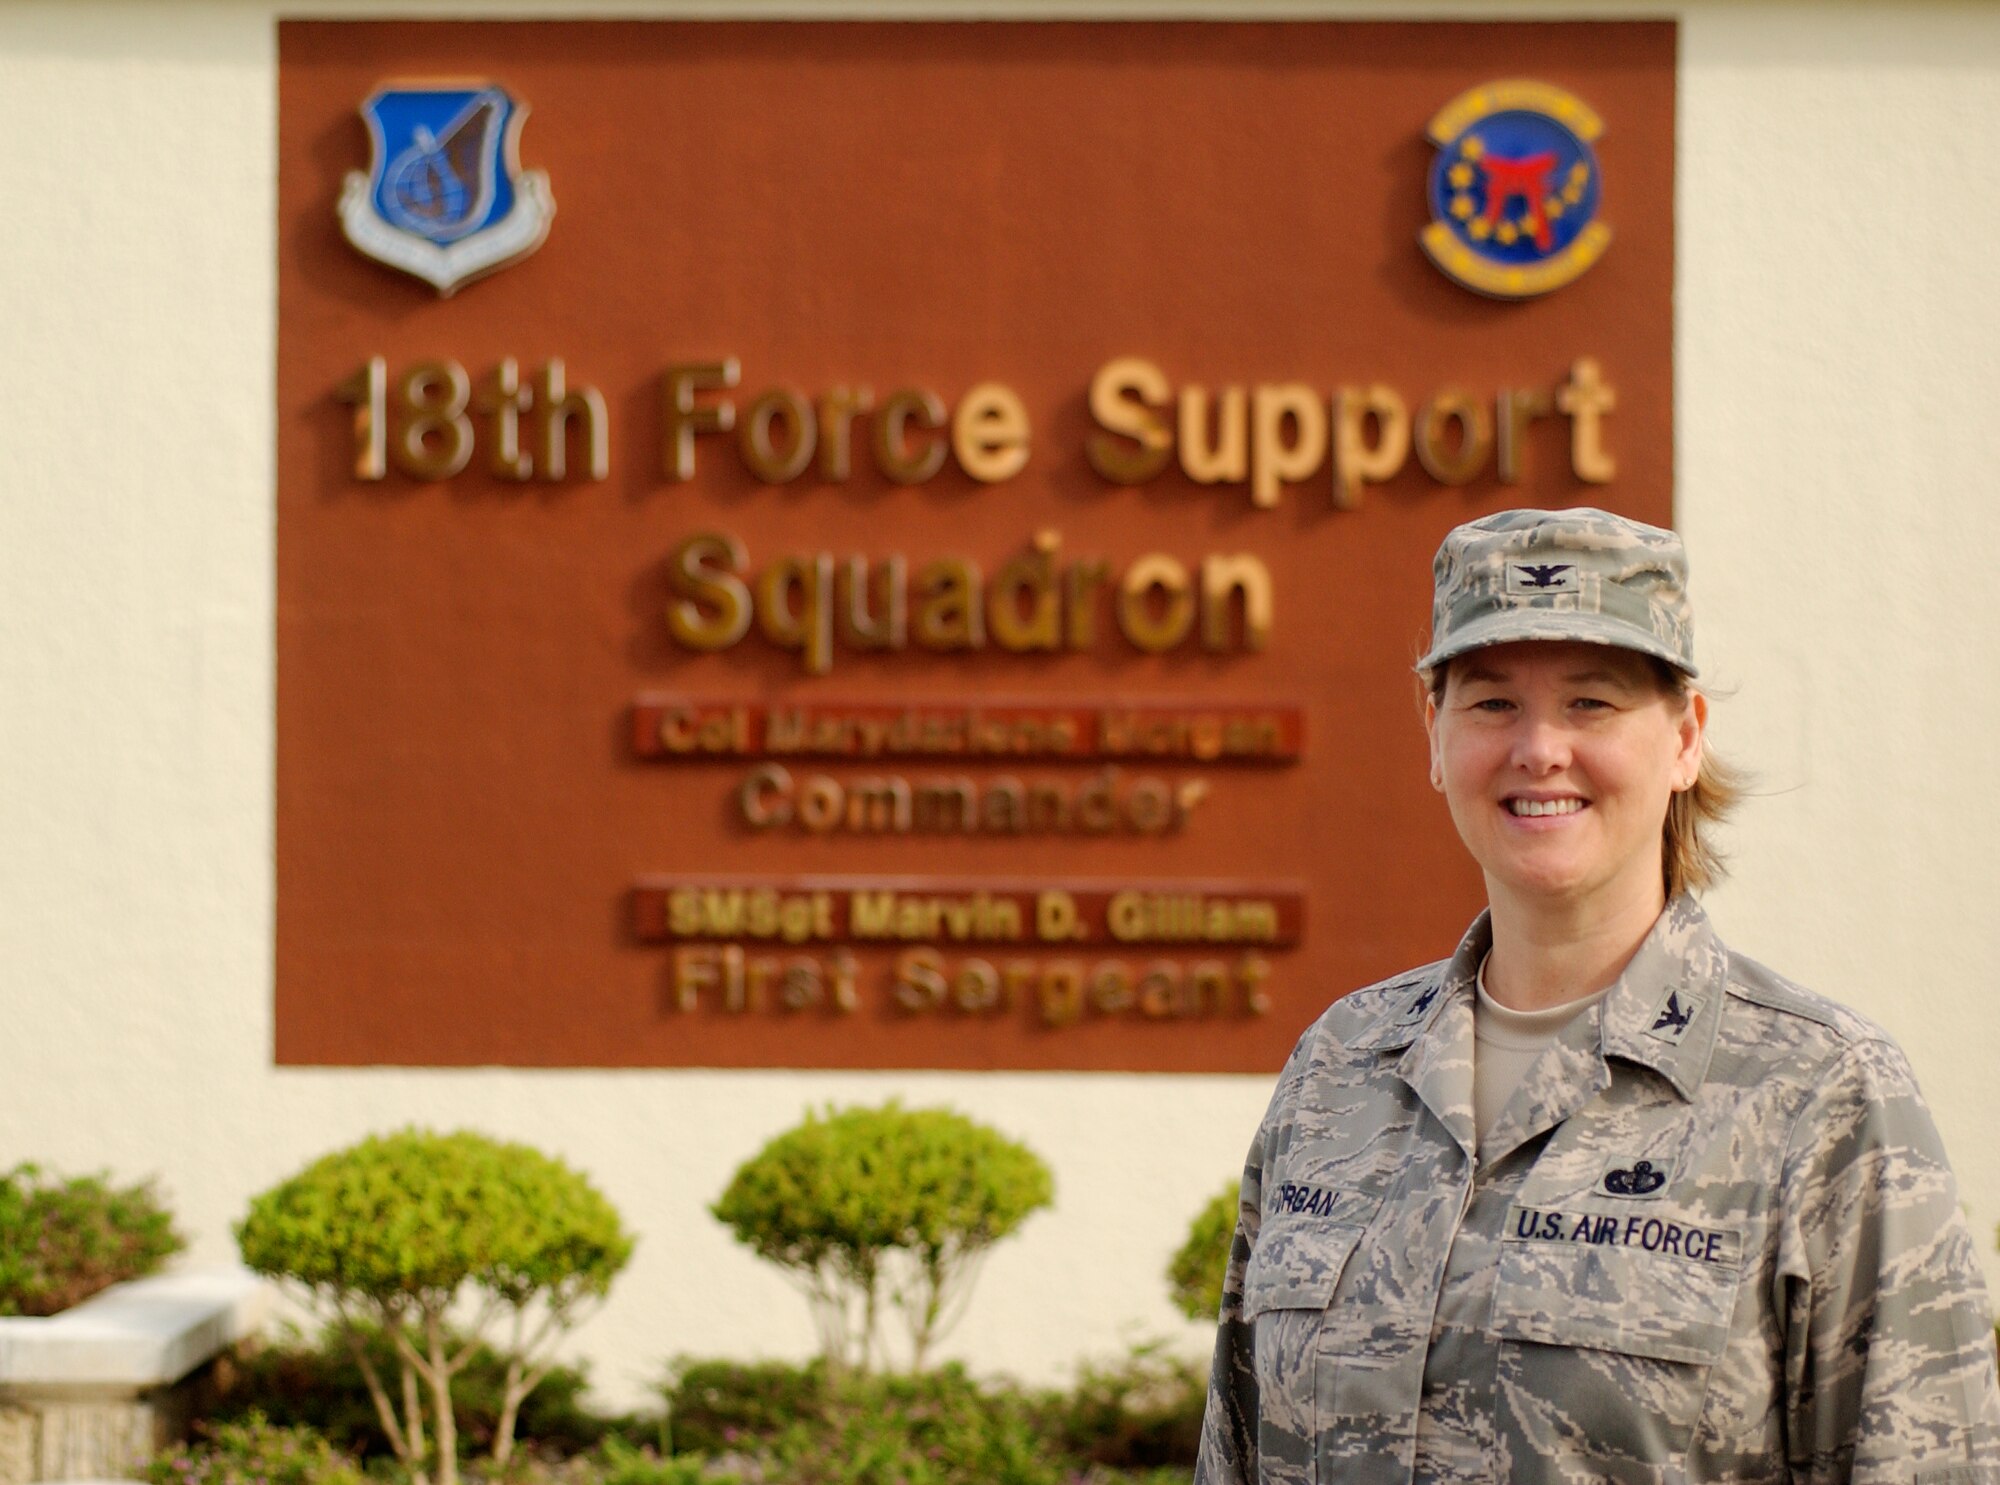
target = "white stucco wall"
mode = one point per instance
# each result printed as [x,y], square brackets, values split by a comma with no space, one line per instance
[1839,203]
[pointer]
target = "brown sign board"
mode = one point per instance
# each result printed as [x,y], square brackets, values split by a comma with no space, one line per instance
[921,567]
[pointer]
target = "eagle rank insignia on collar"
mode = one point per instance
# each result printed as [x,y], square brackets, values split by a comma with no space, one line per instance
[445,198]
[1514,190]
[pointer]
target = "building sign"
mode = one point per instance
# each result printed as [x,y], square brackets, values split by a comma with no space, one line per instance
[902,545]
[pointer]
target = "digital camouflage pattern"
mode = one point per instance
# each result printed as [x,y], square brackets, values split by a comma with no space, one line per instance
[1580,574]
[1712,1237]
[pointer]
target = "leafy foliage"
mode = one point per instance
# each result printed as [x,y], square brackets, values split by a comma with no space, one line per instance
[724,1407]
[319,1385]
[1131,1420]
[926,1428]
[1139,1413]
[620,1463]
[61,1241]
[255,1452]
[392,1232]
[612,1463]
[1194,1276]
[874,1208]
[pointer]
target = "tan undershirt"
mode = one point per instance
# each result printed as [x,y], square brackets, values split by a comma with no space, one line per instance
[1507,1043]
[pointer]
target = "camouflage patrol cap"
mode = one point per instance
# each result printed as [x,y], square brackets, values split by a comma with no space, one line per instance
[1580,574]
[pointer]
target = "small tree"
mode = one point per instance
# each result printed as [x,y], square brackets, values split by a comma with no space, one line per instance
[887,1208]
[397,1230]
[1194,1276]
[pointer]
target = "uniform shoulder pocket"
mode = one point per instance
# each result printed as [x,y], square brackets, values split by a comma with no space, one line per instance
[1646,1285]
[1296,1264]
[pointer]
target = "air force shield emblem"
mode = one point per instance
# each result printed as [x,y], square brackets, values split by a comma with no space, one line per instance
[445,198]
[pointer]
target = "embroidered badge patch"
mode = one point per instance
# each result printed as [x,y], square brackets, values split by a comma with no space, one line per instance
[1514,190]
[1628,1177]
[1675,1015]
[1543,577]
[445,198]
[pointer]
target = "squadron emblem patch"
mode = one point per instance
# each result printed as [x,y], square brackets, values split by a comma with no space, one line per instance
[1514,190]
[445,198]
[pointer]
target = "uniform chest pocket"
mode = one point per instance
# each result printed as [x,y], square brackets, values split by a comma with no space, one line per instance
[1646,1285]
[1295,1266]
[1294,1269]
[1608,1324]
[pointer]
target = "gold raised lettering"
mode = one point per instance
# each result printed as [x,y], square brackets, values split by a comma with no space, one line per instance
[989,433]
[712,610]
[1274,457]
[681,418]
[1358,460]
[1455,460]
[1125,396]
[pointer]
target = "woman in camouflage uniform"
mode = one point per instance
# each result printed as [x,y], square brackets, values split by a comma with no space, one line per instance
[1596,1198]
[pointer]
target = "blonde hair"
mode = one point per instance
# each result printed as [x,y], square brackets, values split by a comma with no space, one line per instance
[1690,860]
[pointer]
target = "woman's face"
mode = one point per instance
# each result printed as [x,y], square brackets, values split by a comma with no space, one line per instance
[1558,760]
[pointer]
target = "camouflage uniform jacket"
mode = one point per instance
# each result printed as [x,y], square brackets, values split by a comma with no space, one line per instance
[1712,1237]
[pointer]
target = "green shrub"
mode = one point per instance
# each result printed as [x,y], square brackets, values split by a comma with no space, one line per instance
[1194,1276]
[620,1463]
[1142,1412]
[887,1209]
[63,1240]
[724,1407]
[394,1231]
[255,1452]
[926,1428]
[319,1385]
[1132,1422]
[615,1463]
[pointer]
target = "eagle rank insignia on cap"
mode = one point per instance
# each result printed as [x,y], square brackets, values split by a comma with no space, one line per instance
[1514,189]
[445,198]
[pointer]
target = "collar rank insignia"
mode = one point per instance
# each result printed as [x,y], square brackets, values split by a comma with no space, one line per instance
[1422,1003]
[1674,1018]
[1514,189]
[1640,1178]
[445,198]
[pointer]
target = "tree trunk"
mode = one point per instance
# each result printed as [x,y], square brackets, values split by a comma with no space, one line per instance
[441,1414]
[413,1417]
[510,1407]
[385,1412]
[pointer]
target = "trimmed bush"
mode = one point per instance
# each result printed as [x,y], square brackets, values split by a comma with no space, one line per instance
[619,1463]
[1142,1412]
[736,1407]
[392,1232]
[255,1452]
[318,1384]
[615,1463]
[1194,1276]
[1133,1421]
[873,1210]
[61,1241]
[926,1428]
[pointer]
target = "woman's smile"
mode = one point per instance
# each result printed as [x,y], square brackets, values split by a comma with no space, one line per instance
[1535,807]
